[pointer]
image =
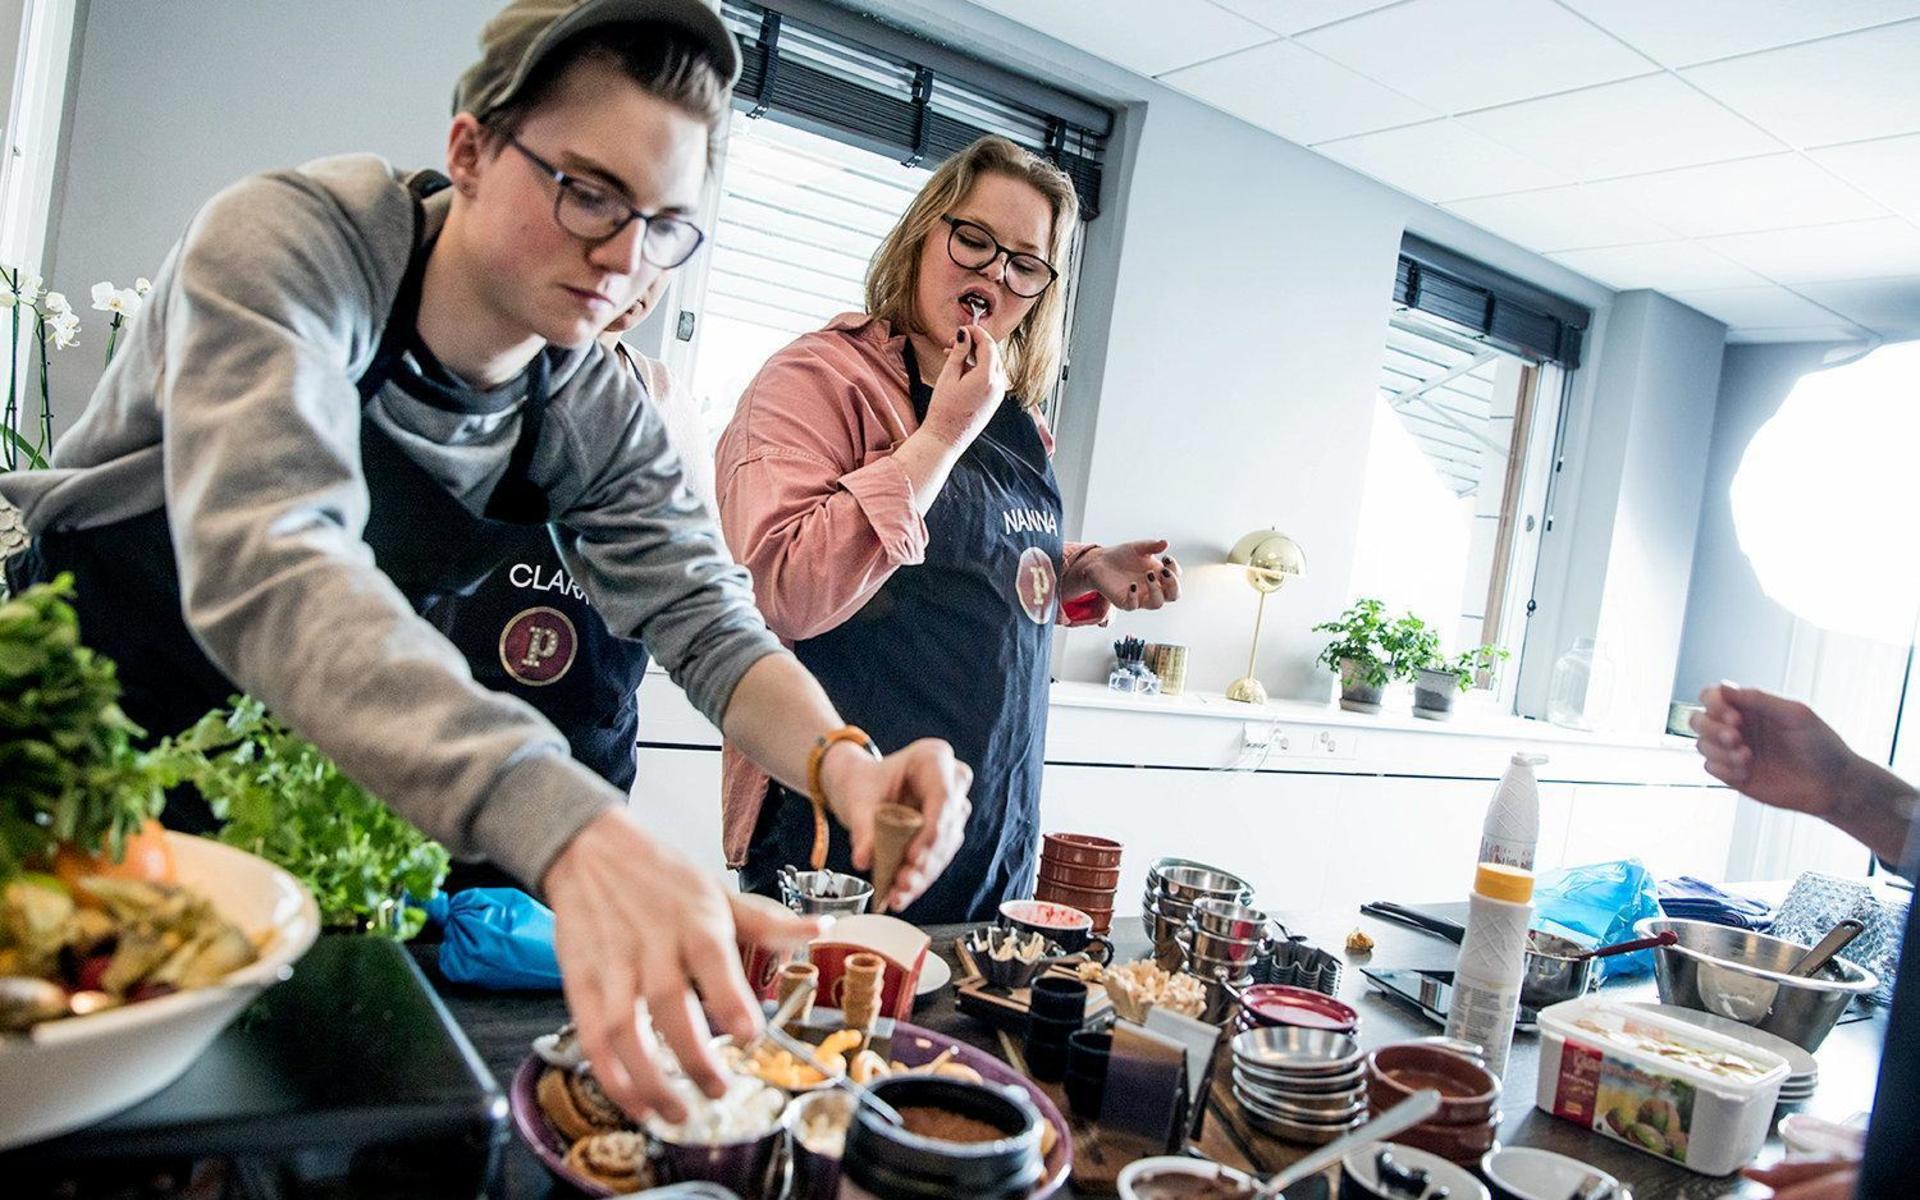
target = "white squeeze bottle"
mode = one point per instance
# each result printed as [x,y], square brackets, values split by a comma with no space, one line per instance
[1512,830]
[1486,983]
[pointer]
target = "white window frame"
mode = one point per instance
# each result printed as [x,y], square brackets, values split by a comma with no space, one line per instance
[36,111]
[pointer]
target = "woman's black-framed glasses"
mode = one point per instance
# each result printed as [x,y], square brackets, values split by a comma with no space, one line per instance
[594,213]
[972,247]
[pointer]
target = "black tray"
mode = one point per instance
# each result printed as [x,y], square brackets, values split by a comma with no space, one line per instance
[350,1072]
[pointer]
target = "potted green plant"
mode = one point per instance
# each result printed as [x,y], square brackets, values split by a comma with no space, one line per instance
[1359,654]
[1439,679]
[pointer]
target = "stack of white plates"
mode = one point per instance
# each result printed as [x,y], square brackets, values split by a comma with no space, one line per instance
[1803,1072]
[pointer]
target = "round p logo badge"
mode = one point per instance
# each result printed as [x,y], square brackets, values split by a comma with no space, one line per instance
[1035,585]
[538,646]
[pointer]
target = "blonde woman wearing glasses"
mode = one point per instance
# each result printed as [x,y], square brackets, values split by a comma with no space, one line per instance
[887,482]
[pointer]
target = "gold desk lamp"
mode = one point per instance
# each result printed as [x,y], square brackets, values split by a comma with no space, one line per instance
[1270,559]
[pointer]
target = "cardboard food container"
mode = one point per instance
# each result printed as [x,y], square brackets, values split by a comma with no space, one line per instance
[1676,1091]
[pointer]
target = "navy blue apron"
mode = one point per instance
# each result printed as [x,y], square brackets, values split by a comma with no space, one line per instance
[956,647]
[127,587]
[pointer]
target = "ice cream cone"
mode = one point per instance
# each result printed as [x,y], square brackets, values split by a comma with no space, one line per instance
[894,828]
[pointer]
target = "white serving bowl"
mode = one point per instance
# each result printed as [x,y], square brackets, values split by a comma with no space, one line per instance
[68,1073]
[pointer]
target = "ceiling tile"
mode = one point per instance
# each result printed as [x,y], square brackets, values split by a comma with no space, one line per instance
[1770,192]
[1296,94]
[1629,128]
[1292,16]
[1147,36]
[1797,333]
[1663,266]
[1842,89]
[1888,168]
[1562,218]
[1889,307]
[1756,307]
[1695,31]
[1458,55]
[1819,253]
[1441,160]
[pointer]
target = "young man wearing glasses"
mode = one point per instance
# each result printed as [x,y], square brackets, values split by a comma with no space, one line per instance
[349,389]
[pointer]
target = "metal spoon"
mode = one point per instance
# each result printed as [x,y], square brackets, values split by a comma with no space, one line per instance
[1404,1115]
[775,1031]
[1823,951]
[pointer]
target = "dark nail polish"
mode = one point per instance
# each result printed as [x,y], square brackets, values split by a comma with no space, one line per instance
[1133,587]
[1166,574]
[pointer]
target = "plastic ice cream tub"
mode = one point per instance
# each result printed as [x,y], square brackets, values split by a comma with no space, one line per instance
[1674,1090]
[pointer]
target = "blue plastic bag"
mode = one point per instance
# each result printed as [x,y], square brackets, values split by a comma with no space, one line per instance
[1598,904]
[497,938]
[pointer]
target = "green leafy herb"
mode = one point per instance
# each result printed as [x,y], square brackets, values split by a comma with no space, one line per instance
[288,803]
[68,770]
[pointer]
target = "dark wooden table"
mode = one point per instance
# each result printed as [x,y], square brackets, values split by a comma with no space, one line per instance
[502,1026]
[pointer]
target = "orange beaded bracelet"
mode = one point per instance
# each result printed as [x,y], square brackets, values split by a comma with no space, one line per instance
[818,794]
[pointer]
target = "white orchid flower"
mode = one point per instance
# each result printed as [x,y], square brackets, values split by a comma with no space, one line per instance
[121,302]
[65,329]
[57,303]
[30,285]
[142,286]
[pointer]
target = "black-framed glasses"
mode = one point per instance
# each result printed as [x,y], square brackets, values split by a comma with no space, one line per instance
[594,213]
[972,247]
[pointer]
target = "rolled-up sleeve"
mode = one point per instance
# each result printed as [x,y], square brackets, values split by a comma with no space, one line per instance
[819,529]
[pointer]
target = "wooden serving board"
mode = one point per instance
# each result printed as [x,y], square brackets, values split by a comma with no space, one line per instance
[1008,1009]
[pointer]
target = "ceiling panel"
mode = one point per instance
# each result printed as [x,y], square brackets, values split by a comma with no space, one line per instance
[1682,32]
[1772,192]
[1888,169]
[1663,266]
[1458,55]
[1841,89]
[1563,218]
[1296,94]
[1757,307]
[1629,128]
[1889,306]
[1148,36]
[1820,253]
[1798,333]
[1293,16]
[1441,160]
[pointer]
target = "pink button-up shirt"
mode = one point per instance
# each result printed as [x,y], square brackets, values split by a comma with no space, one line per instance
[813,504]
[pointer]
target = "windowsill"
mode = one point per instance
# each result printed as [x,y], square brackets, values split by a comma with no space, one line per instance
[1471,721]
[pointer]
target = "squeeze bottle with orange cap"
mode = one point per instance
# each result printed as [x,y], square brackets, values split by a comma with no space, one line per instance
[1493,959]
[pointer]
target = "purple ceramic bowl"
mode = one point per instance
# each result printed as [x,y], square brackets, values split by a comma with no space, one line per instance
[912,1045]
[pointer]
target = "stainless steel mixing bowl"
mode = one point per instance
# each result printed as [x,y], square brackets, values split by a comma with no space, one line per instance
[1742,975]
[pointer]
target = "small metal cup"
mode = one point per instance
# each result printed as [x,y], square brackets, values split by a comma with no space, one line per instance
[824,892]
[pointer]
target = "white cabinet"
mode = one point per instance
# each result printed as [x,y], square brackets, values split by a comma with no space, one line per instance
[1674,830]
[676,796]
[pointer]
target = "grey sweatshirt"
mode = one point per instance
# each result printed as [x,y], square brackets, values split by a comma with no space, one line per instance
[233,400]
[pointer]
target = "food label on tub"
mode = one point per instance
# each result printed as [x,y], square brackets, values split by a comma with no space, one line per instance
[1611,1096]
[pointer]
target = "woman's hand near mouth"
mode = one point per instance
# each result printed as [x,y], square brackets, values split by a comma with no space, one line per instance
[972,382]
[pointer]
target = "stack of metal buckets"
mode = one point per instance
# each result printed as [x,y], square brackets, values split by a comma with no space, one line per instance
[1200,920]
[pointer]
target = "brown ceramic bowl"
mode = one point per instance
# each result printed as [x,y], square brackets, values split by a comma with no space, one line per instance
[1456,1143]
[1084,899]
[1095,879]
[1081,850]
[1469,1093]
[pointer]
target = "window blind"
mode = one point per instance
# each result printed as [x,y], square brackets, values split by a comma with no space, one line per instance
[1505,313]
[831,72]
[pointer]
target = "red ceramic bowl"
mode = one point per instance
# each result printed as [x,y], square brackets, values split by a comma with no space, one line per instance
[1279,1004]
[1084,899]
[1095,879]
[1469,1093]
[1456,1143]
[1081,850]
